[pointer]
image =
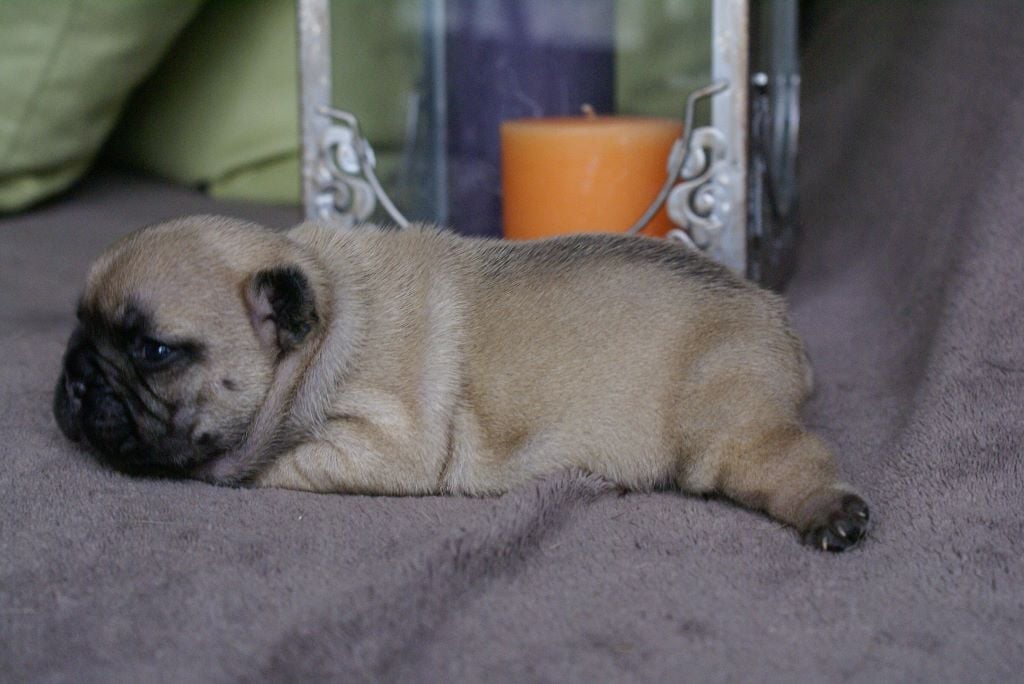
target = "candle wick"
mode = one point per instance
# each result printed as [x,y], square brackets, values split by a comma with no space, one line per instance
[588,111]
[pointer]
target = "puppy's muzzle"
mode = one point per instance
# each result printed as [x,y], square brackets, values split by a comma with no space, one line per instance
[85,406]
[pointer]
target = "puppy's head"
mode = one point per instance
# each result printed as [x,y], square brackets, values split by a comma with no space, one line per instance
[180,330]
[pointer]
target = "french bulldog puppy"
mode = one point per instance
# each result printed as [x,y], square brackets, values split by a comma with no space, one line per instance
[419,362]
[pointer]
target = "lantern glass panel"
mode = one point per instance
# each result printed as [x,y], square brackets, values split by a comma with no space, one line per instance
[432,80]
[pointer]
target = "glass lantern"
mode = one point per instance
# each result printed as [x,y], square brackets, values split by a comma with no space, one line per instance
[403,103]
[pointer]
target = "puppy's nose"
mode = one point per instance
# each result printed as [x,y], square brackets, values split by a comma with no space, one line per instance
[67,409]
[79,365]
[75,389]
[78,374]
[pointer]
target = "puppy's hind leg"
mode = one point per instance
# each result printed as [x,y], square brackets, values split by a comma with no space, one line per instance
[789,473]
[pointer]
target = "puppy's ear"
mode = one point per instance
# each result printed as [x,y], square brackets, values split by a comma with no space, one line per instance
[282,306]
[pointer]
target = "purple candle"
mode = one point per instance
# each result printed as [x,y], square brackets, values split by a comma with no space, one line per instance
[509,59]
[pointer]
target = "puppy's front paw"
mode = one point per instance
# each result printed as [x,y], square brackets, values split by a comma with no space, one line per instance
[840,525]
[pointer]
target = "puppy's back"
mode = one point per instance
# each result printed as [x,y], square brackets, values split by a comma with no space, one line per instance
[616,340]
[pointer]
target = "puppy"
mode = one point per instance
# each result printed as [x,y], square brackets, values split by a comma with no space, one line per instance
[419,362]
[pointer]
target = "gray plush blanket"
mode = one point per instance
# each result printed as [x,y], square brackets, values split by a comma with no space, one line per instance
[910,295]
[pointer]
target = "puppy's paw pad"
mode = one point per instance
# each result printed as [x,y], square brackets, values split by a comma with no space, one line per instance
[841,527]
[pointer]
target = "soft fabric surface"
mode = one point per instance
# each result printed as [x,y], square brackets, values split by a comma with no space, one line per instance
[910,297]
[66,68]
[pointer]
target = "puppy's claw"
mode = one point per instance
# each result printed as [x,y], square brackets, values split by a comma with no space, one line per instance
[847,529]
[841,528]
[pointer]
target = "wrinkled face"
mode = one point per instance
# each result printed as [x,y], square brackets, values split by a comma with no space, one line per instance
[145,400]
[166,368]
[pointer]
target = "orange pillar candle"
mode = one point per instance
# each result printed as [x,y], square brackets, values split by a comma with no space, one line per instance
[583,174]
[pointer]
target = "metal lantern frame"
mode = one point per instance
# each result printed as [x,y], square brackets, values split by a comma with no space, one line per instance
[730,186]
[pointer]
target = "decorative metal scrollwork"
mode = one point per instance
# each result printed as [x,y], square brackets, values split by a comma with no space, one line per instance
[697,176]
[342,193]
[348,189]
[700,203]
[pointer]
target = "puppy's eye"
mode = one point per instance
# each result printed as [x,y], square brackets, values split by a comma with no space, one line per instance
[153,352]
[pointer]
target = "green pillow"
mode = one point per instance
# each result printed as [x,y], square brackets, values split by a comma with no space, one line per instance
[66,69]
[221,111]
